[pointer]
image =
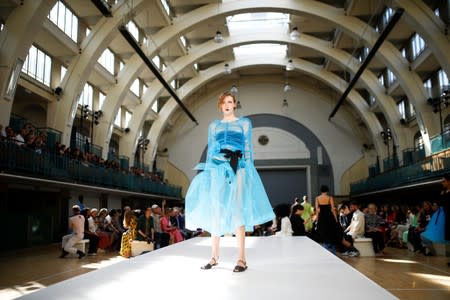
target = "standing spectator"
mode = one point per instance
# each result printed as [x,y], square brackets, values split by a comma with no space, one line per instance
[76,224]
[373,227]
[88,234]
[326,220]
[297,222]
[308,212]
[128,236]
[145,230]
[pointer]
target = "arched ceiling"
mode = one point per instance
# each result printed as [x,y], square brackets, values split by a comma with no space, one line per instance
[332,33]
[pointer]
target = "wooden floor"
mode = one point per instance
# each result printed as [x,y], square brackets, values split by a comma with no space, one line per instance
[404,274]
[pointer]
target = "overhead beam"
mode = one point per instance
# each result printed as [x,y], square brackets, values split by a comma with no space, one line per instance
[103,7]
[394,19]
[133,43]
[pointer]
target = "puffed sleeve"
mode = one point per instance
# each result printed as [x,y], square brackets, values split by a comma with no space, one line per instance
[248,148]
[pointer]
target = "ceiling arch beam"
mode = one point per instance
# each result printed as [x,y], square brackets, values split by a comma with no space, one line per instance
[340,57]
[303,66]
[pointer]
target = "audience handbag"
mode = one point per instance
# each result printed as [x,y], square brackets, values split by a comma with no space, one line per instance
[435,230]
[139,247]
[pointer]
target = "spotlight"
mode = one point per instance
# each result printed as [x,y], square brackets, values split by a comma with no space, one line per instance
[218,38]
[295,34]
[238,105]
[290,65]
[58,91]
[227,69]
[234,89]
[127,130]
[285,103]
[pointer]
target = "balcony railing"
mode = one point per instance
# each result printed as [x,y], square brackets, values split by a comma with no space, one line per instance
[45,164]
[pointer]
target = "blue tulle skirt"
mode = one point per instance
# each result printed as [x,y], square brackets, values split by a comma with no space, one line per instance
[219,200]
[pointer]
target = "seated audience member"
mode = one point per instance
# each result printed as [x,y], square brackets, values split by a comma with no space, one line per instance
[20,137]
[402,229]
[425,214]
[345,216]
[76,224]
[145,230]
[106,237]
[373,229]
[129,221]
[297,222]
[10,134]
[111,225]
[354,230]
[284,227]
[88,234]
[161,238]
[2,133]
[167,227]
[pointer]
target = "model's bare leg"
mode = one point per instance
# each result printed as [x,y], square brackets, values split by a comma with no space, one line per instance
[215,249]
[240,236]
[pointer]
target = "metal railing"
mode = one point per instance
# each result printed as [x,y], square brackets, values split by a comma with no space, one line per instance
[22,160]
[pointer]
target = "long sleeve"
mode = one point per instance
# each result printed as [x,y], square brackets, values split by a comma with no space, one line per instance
[248,147]
[211,142]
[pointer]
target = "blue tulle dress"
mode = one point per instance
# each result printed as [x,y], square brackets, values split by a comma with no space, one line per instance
[229,192]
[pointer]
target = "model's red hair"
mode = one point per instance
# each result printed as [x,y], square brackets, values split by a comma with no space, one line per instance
[222,98]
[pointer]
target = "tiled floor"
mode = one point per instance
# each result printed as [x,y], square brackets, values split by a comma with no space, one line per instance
[404,274]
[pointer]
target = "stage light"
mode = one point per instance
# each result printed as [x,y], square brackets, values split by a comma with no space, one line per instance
[290,65]
[295,34]
[218,38]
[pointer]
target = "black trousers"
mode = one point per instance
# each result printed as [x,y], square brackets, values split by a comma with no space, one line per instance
[377,240]
[93,242]
[162,239]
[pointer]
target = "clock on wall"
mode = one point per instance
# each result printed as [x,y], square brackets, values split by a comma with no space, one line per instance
[263,140]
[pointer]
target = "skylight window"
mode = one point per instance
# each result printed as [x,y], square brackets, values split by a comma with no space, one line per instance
[261,49]
[261,21]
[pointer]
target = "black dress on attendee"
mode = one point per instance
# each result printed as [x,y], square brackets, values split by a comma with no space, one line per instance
[327,225]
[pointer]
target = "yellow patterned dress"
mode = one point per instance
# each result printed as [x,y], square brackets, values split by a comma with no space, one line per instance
[127,237]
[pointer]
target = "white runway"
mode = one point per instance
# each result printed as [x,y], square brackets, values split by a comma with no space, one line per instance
[279,268]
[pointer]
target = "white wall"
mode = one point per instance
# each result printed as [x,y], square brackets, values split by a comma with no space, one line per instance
[186,141]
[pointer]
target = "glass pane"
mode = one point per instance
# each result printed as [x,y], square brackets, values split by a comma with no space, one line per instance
[135,87]
[40,66]
[32,55]
[118,119]
[68,23]
[54,13]
[127,118]
[61,16]
[48,70]
[74,33]
[155,106]
[25,65]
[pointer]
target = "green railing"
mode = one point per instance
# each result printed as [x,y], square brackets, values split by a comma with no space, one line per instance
[440,142]
[49,165]
[428,168]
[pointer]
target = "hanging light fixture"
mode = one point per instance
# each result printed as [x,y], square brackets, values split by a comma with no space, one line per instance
[238,105]
[227,69]
[218,38]
[234,89]
[285,103]
[287,87]
[290,65]
[295,34]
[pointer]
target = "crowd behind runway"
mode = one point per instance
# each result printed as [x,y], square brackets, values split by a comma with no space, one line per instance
[414,227]
[116,229]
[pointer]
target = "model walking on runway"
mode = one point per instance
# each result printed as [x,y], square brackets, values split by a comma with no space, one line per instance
[228,196]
